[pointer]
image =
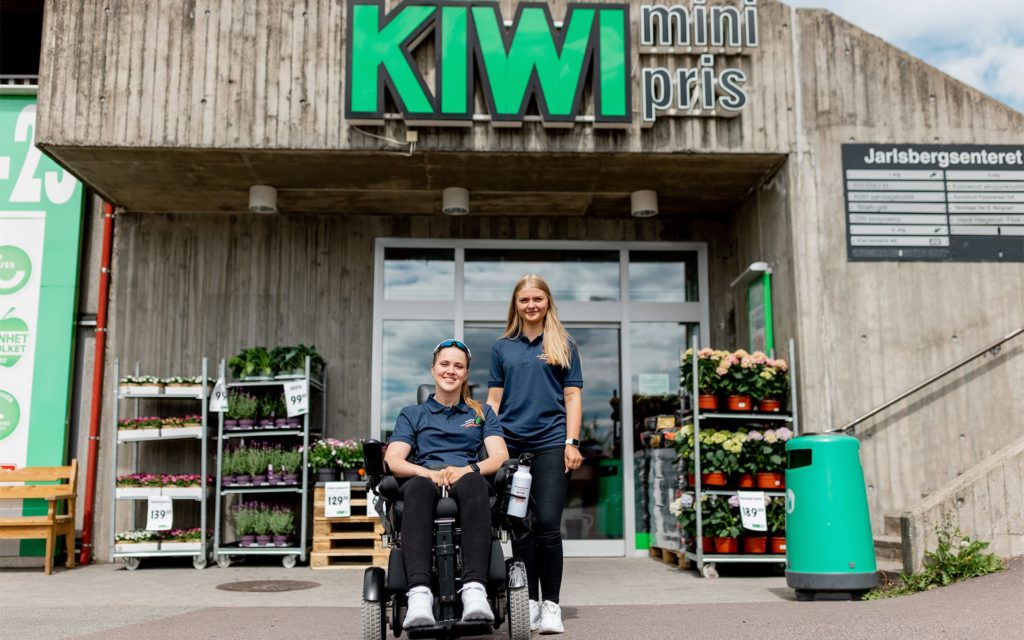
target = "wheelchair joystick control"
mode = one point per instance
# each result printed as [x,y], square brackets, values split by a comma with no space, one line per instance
[519,491]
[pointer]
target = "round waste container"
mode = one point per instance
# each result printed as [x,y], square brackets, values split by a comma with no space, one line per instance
[829,549]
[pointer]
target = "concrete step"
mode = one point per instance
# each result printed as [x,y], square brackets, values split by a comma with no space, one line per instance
[892,525]
[889,548]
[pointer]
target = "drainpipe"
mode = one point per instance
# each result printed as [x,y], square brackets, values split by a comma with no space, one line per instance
[97,384]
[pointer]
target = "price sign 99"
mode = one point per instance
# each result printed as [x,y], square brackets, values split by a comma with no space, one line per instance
[219,397]
[296,395]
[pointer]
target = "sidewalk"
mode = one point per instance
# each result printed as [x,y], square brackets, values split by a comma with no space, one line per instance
[602,598]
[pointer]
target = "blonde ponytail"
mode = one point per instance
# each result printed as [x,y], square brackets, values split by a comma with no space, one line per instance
[470,402]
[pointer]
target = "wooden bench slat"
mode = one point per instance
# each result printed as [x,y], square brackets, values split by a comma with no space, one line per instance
[37,474]
[43,492]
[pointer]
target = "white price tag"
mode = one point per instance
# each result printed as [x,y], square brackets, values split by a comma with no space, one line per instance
[296,396]
[219,397]
[337,499]
[159,513]
[752,510]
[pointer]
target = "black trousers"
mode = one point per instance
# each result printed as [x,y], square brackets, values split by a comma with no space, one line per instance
[541,550]
[421,496]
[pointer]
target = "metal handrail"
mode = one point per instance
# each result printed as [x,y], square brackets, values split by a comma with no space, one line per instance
[993,348]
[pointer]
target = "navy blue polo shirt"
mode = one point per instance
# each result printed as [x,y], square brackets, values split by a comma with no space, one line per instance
[533,398]
[443,436]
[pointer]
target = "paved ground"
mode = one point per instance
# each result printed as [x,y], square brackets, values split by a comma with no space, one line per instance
[617,598]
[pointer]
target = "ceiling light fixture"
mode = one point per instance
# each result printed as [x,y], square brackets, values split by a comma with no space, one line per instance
[455,201]
[262,199]
[643,203]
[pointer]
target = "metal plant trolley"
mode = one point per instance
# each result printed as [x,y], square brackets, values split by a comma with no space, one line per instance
[132,559]
[706,561]
[227,552]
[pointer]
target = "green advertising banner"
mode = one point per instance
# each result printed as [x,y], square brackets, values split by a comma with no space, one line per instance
[40,236]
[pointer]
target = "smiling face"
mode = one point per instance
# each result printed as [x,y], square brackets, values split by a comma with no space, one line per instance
[531,305]
[450,369]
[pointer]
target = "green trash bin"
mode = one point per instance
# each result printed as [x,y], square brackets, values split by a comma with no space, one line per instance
[829,549]
[609,498]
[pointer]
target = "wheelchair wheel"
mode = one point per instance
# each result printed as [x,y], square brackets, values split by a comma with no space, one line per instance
[371,619]
[518,614]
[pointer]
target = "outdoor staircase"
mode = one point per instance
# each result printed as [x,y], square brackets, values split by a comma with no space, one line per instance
[889,546]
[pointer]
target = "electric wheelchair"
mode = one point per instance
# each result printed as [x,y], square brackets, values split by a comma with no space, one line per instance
[384,599]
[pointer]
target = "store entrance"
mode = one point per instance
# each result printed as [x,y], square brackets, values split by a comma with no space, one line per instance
[593,521]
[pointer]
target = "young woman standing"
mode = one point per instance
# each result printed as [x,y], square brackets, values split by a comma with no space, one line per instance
[535,386]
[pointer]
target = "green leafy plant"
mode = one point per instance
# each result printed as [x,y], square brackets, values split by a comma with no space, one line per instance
[719,451]
[244,517]
[291,461]
[272,406]
[255,361]
[956,557]
[282,521]
[261,521]
[292,360]
[723,520]
[241,405]
[776,515]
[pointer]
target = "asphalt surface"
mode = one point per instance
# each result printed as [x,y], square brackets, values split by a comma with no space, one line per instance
[619,598]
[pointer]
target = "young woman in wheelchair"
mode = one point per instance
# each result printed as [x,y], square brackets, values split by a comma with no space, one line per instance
[436,445]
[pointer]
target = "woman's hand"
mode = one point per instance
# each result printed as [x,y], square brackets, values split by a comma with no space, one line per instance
[437,477]
[453,474]
[573,458]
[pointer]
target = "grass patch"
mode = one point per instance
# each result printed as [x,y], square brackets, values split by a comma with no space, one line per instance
[957,557]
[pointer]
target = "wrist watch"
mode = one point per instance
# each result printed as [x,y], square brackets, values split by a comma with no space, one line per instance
[573,441]
[474,467]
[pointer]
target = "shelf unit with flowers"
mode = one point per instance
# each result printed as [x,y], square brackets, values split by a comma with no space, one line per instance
[729,447]
[134,429]
[264,493]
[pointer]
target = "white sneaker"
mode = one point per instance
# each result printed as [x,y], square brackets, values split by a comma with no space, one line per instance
[534,615]
[551,618]
[421,608]
[474,603]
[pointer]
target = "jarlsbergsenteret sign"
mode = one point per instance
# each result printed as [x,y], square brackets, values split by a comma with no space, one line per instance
[533,56]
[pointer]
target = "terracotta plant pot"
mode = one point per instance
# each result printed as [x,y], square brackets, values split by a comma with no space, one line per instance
[769,406]
[707,402]
[739,403]
[709,544]
[727,545]
[755,544]
[713,479]
[770,480]
[777,544]
[745,481]
[691,480]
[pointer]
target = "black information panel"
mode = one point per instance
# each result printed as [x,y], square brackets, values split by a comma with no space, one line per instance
[953,203]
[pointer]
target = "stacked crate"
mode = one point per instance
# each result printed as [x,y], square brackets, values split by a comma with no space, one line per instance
[352,542]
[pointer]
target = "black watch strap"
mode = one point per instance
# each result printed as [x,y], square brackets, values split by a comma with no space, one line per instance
[474,466]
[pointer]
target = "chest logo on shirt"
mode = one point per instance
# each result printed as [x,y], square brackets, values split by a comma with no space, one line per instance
[472,422]
[543,356]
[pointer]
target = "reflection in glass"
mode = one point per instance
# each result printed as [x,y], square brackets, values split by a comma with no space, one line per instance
[419,274]
[572,275]
[407,350]
[480,339]
[663,276]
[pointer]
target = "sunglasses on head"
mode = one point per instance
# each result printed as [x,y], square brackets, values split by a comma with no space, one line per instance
[452,342]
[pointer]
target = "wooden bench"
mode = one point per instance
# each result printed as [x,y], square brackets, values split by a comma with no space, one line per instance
[54,523]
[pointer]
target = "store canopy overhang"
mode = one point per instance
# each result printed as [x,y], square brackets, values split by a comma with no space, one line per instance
[379,182]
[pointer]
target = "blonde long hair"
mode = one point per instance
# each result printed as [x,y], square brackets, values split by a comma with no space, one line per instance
[556,338]
[470,402]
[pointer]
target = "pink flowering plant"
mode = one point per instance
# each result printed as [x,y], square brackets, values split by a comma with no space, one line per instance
[323,454]
[192,421]
[739,371]
[709,382]
[350,454]
[772,381]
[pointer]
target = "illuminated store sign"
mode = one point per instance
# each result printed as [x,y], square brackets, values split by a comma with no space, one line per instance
[532,57]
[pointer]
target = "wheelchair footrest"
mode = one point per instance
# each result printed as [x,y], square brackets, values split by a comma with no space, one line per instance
[452,629]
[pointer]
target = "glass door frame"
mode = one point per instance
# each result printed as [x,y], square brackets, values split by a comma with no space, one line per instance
[620,313]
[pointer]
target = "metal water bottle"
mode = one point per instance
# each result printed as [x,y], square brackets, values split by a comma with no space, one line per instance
[519,492]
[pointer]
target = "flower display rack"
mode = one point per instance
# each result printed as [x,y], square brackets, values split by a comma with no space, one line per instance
[227,543]
[134,393]
[704,556]
[353,542]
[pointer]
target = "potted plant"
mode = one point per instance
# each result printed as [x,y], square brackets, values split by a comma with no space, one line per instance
[323,457]
[261,525]
[245,523]
[750,461]
[291,461]
[776,512]
[739,371]
[191,386]
[273,460]
[271,410]
[241,466]
[350,459]
[136,541]
[182,486]
[228,468]
[724,523]
[140,386]
[242,407]
[182,540]
[290,362]
[719,456]
[252,364]
[682,509]
[138,485]
[282,525]
[772,388]
[256,464]
[709,382]
[755,542]
[773,459]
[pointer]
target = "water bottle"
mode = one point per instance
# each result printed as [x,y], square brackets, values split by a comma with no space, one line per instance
[519,492]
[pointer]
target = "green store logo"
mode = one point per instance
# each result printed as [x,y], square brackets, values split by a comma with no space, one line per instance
[14,339]
[10,414]
[15,269]
[531,59]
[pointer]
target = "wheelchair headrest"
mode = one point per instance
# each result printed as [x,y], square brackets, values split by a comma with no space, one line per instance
[423,392]
[373,461]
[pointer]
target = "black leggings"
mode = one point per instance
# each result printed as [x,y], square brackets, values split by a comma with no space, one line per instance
[420,496]
[541,551]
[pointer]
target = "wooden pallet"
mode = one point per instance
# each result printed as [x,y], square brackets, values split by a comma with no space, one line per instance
[346,543]
[670,557]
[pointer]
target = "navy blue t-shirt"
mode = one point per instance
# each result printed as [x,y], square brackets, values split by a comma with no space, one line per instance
[443,436]
[533,398]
